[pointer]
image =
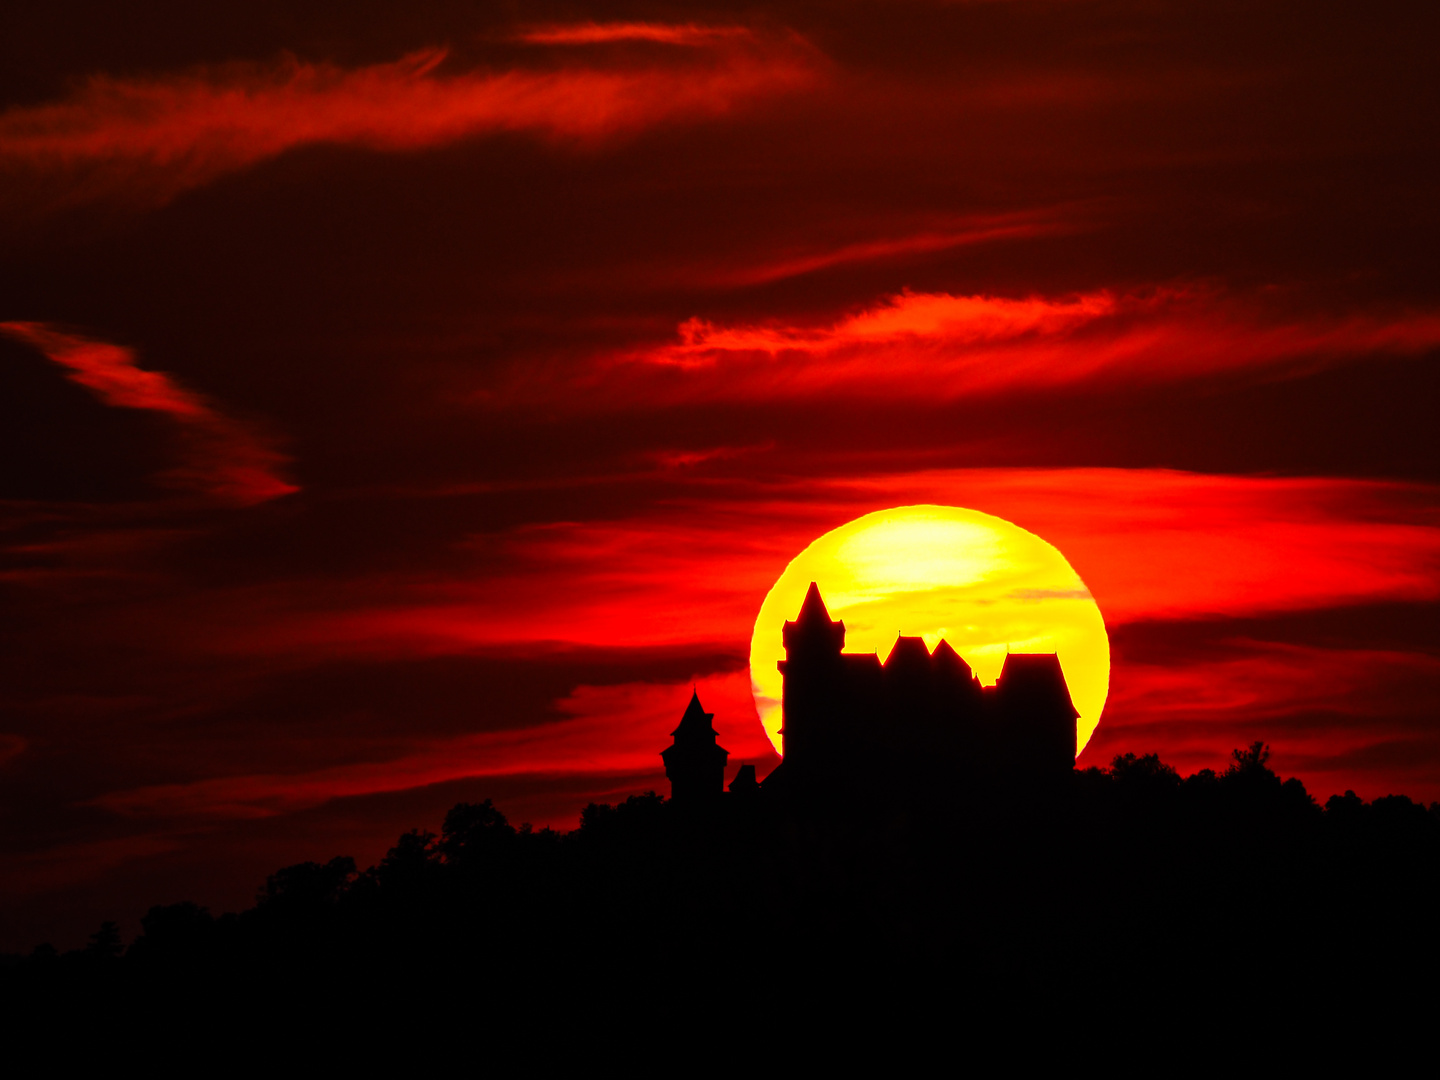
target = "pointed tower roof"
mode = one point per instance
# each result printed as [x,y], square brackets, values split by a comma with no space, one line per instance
[696,720]
[813,610]
[695,760]
[813,626]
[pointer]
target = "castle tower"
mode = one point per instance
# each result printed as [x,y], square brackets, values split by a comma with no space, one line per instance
[695,761]
[1036,716]
[814,681]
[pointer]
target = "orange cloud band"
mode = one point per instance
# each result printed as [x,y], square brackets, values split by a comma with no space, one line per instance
[1150,544]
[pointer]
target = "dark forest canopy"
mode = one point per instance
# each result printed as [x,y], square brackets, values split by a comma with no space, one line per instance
[1233,876]
[1139,810]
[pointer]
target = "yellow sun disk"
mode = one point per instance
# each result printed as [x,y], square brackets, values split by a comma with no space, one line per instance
[985,585]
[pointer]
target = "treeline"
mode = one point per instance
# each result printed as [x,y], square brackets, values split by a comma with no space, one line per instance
[1132,872]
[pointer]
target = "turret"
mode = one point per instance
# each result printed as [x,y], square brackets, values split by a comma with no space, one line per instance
[695,761]
[813,631]
[1036,715]
[814,683]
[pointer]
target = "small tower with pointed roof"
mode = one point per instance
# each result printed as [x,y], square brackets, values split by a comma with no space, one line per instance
[695,761]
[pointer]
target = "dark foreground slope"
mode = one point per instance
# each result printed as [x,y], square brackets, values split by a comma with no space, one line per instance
[1132,898]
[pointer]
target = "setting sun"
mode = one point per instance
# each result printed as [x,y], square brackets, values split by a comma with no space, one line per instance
[986,586]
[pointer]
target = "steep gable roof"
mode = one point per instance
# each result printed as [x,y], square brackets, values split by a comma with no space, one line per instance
[1036,676]
[696,720]
[947,660]
[813,626]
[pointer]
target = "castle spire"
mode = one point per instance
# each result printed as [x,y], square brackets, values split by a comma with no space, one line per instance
[813,627]
[813,610]
[696,720]
[695,761]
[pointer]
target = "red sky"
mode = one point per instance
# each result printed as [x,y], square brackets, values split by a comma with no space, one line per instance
[408,406]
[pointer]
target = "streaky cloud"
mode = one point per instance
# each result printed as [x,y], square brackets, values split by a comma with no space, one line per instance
[939,237]
[1213,545]
[1340,717]
[942,346]
[599,33]
[604,731]
[145,140]
[223,458]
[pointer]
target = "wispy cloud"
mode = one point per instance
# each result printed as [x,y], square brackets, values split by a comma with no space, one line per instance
[149,139]
[942,236]
[593,33]
[908,317]
[223,458]
[938,346]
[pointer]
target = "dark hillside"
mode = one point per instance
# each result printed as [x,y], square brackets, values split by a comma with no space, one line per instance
[1134,890]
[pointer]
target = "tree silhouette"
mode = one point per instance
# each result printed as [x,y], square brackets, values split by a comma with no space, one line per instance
[174,934]
[474,833]
[1146,771]
[1132,869]
[105,944]
[308,885]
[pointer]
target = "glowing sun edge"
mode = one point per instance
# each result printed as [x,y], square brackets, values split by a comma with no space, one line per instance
[983,583]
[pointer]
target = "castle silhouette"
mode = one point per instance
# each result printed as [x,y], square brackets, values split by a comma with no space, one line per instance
[920,721]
